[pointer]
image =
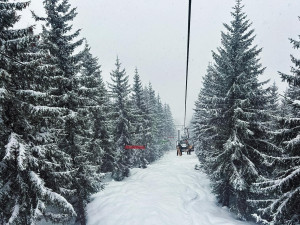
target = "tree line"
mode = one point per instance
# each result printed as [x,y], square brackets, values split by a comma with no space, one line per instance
[248,138]
[61,128]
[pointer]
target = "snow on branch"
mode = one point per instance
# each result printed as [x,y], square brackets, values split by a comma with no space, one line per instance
[14,147]
[49,195]
[14,214]
[236,179]
[259,219]
[3,92]
[296,103]
[293,142]
[281,204]
[251,168]
[271,185]
[32,93]
[278,159]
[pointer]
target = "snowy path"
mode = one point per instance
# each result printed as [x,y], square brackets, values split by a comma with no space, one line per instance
[168,192]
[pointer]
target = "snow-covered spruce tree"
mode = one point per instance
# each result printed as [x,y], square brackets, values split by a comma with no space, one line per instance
[272,107]
[273,99]
[8,18]
[95,95]
[169,126]
[94,136]
[236,114]
[147,126]
[162,142]
[74,138]
[139,121]
[93,89]
[30,149]
[158,125]
[151,128]
[207,130]
[282,190]
[120,121]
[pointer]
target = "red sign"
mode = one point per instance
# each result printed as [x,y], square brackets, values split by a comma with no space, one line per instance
[135,147]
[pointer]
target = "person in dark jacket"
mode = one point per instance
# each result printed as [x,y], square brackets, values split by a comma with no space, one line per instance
[189,147]
[179,149]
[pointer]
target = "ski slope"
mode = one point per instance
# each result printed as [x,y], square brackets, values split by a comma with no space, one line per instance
[168,192]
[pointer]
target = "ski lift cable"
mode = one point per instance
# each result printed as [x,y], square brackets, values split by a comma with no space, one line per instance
[187,59]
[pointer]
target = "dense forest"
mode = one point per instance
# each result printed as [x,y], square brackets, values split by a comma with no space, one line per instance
[61,127]
[248,137]
[63,130]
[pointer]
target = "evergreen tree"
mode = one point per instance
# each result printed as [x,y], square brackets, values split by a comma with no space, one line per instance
[207,132]
[281,204]
[147,126]
[8,53]
[28,146]
[161,137]
[120,117]
[273,99]
[169,126]
[151,130]
[273,109]
[93,136]
[138,121]
[74,138]
[234,116]
[96,100]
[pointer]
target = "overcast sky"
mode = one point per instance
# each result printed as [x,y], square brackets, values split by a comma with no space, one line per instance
[151,35]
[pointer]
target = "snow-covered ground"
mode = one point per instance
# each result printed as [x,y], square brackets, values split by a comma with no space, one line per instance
[168,192]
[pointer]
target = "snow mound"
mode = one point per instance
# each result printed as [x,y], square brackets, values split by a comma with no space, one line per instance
[168,192]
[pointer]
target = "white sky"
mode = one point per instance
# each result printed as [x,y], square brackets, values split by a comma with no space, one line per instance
[151,35]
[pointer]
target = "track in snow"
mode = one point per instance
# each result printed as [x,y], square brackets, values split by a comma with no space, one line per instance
[168,192]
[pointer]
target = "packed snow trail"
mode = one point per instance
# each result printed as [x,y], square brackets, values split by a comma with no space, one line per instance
[168,192]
